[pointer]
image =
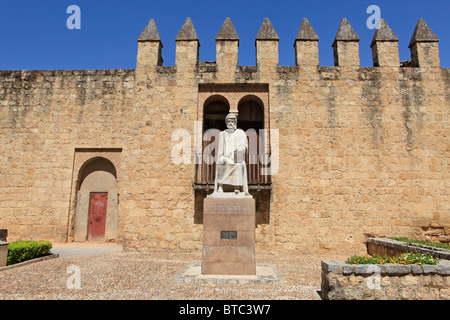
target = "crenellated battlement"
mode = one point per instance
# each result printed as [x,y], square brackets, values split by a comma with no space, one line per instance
[384,45]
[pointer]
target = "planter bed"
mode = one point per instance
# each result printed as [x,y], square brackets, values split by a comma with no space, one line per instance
[382,246]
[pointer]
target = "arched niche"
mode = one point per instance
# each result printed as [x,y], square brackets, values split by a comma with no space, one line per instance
[251,113]
[215,109]
[97,177]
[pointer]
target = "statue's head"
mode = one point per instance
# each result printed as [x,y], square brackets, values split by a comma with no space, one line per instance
[231,121]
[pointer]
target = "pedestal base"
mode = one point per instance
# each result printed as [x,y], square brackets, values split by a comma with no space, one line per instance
[228,237]
[265,273]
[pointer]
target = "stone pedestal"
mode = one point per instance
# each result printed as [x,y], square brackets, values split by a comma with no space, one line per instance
[228,236]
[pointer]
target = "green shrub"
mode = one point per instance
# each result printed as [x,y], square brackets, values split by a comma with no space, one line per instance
[427,243]
[20,251]
[402,258]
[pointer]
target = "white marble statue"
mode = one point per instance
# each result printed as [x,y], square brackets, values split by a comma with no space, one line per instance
[230,168]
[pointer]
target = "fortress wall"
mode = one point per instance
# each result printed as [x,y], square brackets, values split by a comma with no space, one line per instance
[362,151]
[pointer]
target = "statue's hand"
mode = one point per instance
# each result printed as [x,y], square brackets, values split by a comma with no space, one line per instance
[225,160]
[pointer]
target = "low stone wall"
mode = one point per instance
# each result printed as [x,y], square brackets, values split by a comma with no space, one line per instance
[341,281]
[24,263]
[383,246]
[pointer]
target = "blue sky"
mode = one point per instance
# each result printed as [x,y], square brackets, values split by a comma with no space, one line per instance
[34,34]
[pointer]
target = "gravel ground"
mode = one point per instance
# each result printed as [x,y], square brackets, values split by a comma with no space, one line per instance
[132,275]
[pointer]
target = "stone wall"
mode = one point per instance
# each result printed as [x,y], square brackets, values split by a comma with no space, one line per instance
[390,281]
[362,150]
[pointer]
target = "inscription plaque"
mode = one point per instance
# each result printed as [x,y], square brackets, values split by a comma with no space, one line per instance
[229,209]
[228,235]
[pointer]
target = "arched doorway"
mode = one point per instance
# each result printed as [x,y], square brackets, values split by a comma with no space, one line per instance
[96,216]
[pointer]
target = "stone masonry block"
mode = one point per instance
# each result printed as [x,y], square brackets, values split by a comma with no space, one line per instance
[429,269]
[444,269]
[398,269]
[347,269]
[330,266]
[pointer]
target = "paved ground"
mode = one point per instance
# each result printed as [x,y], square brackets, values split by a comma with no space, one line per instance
[106,272]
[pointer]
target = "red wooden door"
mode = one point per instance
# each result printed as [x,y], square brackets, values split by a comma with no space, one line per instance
[97,215]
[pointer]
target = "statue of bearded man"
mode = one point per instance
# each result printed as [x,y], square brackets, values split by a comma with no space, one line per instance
[232,149]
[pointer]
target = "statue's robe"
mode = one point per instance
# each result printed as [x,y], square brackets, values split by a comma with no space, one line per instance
[232,172]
